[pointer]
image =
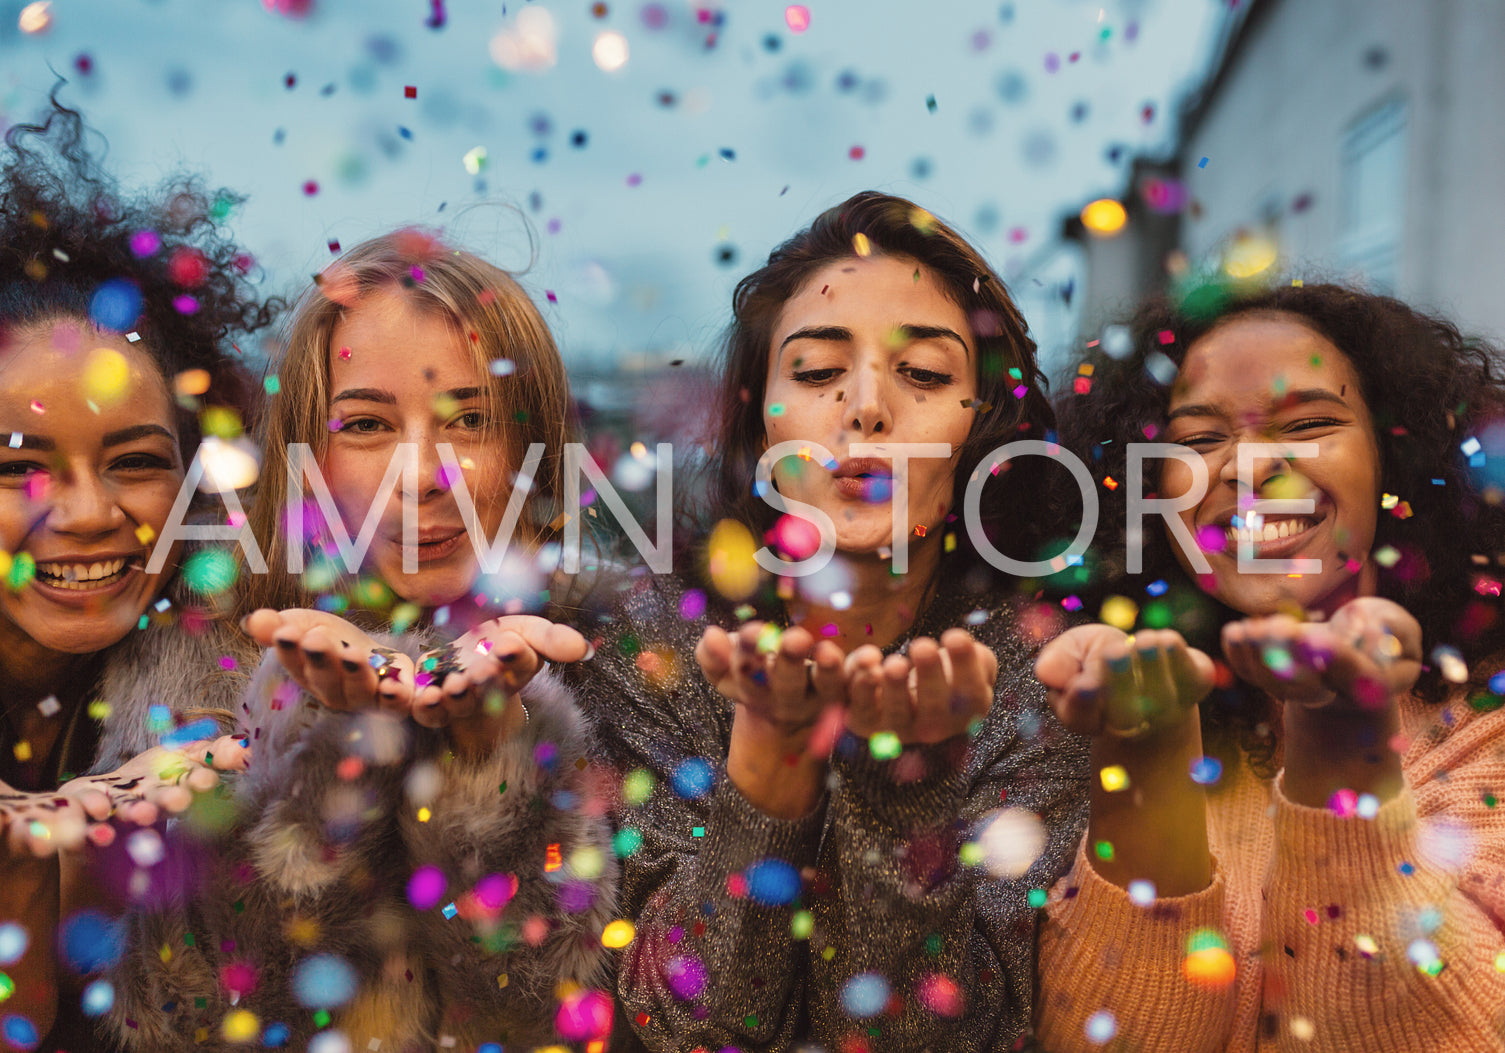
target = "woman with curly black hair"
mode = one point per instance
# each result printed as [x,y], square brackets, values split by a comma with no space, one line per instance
[107,307]
[1329,871]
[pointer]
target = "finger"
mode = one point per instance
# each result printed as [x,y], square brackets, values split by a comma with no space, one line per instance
[932,694]
[358,679]
[516,659]
[396,685]
[229,753]
[896,708]
[552,641]
[864,682]
[788,679]
[1123,707]
[827,675]
[262,625]
[323,677]
[974,670]
[714,653]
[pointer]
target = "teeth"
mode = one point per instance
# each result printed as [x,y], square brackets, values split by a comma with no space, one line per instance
[1236,535]
[79,575]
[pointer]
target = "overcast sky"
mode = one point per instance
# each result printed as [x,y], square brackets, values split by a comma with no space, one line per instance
[650,189]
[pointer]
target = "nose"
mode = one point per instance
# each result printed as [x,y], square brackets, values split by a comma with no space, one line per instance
[1267,467]
[868,403]
[81,505]
[431,473]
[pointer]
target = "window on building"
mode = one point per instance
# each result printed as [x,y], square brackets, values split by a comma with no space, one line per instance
[1372,165]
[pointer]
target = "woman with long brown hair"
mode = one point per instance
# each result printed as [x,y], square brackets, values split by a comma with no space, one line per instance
[795,814]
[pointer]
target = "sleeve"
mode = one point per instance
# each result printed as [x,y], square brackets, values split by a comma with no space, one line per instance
[710,883]
[520,846]
[912,947]
[1101,952]
[1390,928]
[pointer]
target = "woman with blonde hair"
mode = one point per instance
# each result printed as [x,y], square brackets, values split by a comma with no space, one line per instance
[421,855]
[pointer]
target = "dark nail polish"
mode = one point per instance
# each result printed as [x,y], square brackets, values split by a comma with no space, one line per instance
[317,658]
[286,645]
[350,667]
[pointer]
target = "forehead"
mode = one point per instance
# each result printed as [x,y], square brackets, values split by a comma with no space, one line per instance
[67,362]
[1253,359]
[394,340]
[884,291]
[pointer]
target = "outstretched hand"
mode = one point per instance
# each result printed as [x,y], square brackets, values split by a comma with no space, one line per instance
[335,662]
[1101,681]
[931,694]
[1365,658]
[138,792]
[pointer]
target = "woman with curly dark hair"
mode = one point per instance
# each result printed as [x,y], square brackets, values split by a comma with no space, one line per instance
[1312,853]
[107,307]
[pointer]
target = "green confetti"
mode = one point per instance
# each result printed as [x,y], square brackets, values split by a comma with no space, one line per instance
[272,384]
[1104,850]
[802,925]
[1037,898]
[885,745]
[22,570]
[698,831]
[503,787]
[210,572]
[638,786]
[627,841]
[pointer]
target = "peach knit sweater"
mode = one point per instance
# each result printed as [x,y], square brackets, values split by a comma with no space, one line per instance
[1322,914]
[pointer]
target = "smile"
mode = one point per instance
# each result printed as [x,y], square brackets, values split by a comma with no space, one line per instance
[82,576]
[1269,530]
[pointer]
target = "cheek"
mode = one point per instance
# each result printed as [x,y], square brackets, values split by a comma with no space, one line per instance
[1176,480]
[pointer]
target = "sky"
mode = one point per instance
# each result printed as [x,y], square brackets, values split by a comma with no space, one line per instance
[635,197]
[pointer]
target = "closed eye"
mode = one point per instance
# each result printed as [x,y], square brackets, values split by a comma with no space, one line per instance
[1308,423]
[816,376]
[1204,439]
[927,378]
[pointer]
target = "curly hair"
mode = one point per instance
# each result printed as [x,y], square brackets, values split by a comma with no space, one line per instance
[1017,512]
[66,231]
[1429,389]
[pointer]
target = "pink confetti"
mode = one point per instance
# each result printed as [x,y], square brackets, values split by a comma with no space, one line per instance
[310,188]
[37,407]
[797,18]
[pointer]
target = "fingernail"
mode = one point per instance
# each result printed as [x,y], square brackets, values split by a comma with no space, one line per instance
[286,645]
[350,667]
[1148,652]
[318,658]
[245,623]
[1121,664]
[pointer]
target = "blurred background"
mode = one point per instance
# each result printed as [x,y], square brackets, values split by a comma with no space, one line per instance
[636,158]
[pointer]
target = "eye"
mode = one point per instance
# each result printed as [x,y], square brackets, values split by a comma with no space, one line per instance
[1201,440]
[474,420]
[1309,423]
[142,462]
[815,377]
[361,425]
[926,378]
[19,469]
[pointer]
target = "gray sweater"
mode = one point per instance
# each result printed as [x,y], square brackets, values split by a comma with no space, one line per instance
[907,948]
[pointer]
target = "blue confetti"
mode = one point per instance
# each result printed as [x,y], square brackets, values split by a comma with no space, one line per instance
[865,995]
[90,942]
[116,305]
[772,882]
[324,981]
[449,911]
[1206,771]
[1157,588]
[205,728]
[693,778]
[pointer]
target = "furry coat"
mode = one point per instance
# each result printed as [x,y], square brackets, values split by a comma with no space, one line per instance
[366,880]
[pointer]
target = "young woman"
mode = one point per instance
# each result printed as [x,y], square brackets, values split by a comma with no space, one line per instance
[421,858]
[784,892]
[1326,877]
[106,306]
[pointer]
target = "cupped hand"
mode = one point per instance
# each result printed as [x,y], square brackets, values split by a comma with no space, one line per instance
[784,680]
[1366,657]
[931,694]
[1099,680]
[335,662]
[138,792]
[467,686]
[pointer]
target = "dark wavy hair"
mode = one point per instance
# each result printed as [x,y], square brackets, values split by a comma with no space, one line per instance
[1015,512]
[66,229]
[1428,389]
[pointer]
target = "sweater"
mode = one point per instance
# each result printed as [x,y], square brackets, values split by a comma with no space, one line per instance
[857,926]
[1380,934]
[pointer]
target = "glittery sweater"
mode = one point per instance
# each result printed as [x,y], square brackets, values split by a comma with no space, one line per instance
[857,922]
[1337,925]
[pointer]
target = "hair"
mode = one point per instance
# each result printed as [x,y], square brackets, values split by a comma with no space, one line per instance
[481,301]
[66,230]
[1013,514]
[1428,389]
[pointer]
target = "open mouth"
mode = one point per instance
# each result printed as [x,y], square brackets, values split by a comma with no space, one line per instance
[83,577]
[1264,528]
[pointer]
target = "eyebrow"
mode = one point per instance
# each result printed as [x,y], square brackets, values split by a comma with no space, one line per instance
[114,438]
[1291,398]
[387,398]
[911,334]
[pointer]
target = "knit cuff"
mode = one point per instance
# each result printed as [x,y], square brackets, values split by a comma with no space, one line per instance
[1318,851]
[1085,902]
[737,833]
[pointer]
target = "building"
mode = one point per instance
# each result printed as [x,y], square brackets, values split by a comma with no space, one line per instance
[1361,140]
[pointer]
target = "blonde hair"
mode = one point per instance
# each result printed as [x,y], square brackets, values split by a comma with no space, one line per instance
[530,402]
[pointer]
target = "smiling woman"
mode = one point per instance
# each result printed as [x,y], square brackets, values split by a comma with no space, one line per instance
[1310,878]
[103,301]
